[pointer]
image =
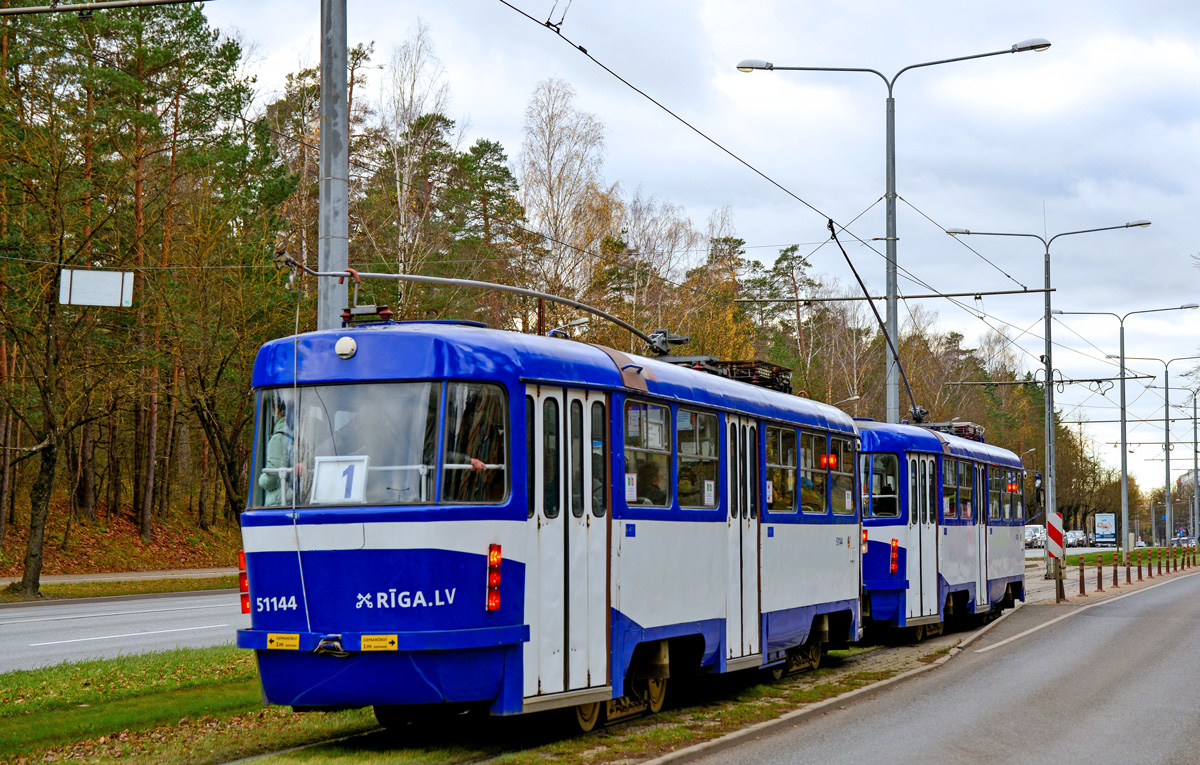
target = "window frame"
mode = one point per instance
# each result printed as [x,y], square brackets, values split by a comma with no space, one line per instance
[668,480]
[714,458]
[781,454]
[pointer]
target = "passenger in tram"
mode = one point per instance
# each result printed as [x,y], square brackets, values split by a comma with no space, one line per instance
[277,477]
[649,484]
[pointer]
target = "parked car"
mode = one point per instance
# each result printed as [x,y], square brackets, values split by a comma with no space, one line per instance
[1075,538]
[1035,535]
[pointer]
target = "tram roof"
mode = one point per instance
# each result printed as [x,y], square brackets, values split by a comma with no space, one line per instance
[888,437]
[445,350]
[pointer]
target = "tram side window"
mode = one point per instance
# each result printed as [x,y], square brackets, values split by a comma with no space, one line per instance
[647,454]
[950,488]
[813,478]
[576,443]
[966,491]
[696,480]
[599,460]
[530,454]
[1020,498]
[781,470]
[1009,495]
[994,481]
[551,443]
[474,450]
[885,478]
[841,471]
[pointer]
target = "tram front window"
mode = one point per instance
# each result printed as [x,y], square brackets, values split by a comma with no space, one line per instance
[373,443]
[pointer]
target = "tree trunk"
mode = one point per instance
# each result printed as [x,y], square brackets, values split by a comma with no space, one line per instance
[203,485]
[39,511]
[87,473]
[114,461]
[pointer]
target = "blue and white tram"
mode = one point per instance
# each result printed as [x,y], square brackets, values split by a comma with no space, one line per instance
[943,520]
[446,513]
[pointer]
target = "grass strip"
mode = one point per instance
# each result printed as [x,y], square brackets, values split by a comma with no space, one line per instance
[110,589]
[37,730]
[102,681]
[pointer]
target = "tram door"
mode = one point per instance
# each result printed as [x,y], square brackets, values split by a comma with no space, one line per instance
[923,540]
[741,495]
[979,498]
[568,643]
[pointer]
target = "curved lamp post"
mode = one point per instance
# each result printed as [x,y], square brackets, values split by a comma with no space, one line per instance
[1127,537]
[1167,429]
[1052,518]
[892,387]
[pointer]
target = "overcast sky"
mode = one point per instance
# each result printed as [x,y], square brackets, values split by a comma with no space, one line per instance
[1101,129]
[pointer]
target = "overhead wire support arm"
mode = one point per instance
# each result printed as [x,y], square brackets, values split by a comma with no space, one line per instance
[882,297]
[1081,381]
[86,7]
[658,342]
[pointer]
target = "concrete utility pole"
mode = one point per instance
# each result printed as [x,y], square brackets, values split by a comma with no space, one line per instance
[333,224]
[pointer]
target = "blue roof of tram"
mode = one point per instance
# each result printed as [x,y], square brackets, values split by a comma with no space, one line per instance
[885,437]
[441,350]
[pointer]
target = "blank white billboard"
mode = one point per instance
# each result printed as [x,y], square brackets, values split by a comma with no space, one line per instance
[113,288]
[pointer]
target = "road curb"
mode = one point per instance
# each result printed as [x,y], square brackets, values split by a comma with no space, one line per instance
[117,598]
[730,740]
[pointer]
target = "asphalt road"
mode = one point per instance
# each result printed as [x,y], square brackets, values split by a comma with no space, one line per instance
[1110,682]
[42,635]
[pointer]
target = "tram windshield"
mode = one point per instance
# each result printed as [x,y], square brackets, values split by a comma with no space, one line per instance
[377,444]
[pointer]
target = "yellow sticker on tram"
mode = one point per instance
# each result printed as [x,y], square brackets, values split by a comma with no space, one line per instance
[379,642]
[290,642]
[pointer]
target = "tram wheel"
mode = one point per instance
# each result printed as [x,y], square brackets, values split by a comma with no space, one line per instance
[776,672]
[588,716]
[812,655]
[918,633]
[656,693]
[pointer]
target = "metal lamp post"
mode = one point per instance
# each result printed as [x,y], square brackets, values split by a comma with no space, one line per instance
[1166,430]
[1127,536]
[892,387]
[1052,519]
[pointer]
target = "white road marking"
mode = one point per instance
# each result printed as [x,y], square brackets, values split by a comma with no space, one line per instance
[130,634]
[231,604]
[1076,612]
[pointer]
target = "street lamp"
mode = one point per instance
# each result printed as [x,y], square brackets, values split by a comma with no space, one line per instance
[847,400]
[1167,425]
[1127,541]
[1052,518]
[892,386]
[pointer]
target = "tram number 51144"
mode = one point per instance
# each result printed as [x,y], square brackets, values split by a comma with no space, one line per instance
[284,603]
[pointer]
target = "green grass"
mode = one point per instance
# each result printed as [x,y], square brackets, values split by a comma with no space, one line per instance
[109,589]
[68,703]
[1148,554]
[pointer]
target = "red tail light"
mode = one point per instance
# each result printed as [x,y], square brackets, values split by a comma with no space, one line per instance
[829,461]
[243,582]
[864,541]
[895,565]
[493,578]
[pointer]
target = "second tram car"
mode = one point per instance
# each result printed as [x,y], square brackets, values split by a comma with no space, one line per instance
[943,518]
